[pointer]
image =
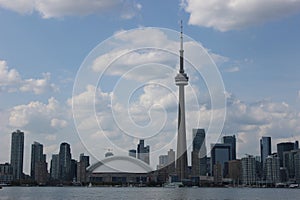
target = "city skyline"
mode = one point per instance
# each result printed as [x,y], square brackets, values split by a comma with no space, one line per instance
[42,51]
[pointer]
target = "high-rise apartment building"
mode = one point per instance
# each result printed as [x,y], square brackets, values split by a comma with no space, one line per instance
[198,154]
[232,141]
[65,162]
[248,170]
[220,153]
[265,149]
[36,157]
[17,153]
[283,147]
[54,168]
[143,152]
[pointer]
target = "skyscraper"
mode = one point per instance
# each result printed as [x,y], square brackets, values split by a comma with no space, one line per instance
[181,80]
[84,162]
[143,152]
[265,149]
[199,153]
[248,170]
[232,141]
[282,147]
[220,154]
[272,169]
[54,168]
[65,162]
[36,156]
[17,152]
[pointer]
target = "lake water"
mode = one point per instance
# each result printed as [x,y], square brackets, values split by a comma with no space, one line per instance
[76,193]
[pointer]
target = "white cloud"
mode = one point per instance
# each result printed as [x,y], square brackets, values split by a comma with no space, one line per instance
[39,118]
[233,69]
[58,123]
[60,8]
[11,81]
[227,15]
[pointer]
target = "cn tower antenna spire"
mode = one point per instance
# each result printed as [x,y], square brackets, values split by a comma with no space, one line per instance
[181,48]
[181,80]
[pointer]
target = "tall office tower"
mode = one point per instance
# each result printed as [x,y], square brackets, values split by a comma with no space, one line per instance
[297,166]
[132,153]
[248,170]
[232,141]
[54,167]
[17,152]
[171,161]
[73,170]
[282,147]
[265,149]
[272,169]
[143,152]
[6,173]
[162,161]
[36,157]
[235,171]
[65,162]
[84,162]
[220,153]
[199,156]
[181,80]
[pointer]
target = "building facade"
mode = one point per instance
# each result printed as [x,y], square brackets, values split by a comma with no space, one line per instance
[36,157]
[143,152]
[82,165]
[65,162]
[265,149]
[198,154]
[6,173]
[272,169]
[232,141]
[17,154]
[54,167]
[220,153]
[283,147]
[248,170]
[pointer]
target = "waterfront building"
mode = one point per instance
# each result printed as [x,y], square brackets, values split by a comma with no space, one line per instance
[6,173]
[54,167]
[65,162]
[132,153]
[82,165]
[143,152]
[232,141]
[220,153]
[248,170]
[235,171]
[36,157]
[272,169]
[198,154]
[17,153]
[265,149]
[283,147]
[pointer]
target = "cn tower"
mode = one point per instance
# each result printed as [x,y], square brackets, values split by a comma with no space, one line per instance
[181,80]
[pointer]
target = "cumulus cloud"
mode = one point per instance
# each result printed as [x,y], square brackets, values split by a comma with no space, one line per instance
[250,121]
[38,117]
[227,15]
[61,8]
[11,81]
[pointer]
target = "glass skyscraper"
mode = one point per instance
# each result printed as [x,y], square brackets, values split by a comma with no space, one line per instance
[265,148]
[199,156]
[17,153]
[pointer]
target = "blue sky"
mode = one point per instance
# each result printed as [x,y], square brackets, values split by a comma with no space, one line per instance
[256,43]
